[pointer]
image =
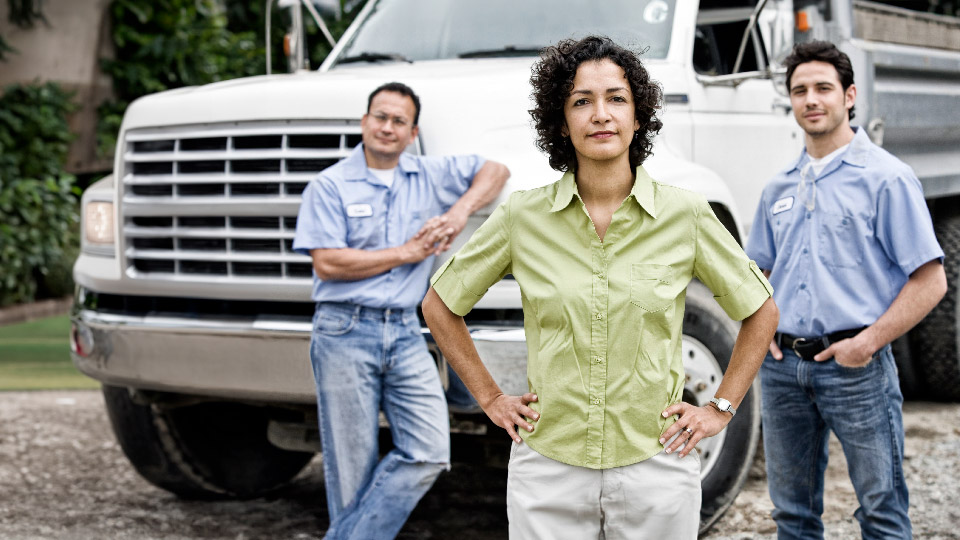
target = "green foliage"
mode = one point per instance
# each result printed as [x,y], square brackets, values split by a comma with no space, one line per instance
[166,44]
[38,201]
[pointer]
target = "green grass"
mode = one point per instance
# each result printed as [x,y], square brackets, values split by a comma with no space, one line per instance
[36,356]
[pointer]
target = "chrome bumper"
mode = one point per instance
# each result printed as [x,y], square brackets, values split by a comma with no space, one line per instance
[262,360]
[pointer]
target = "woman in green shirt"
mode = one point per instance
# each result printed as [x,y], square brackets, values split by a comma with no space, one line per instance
[602,257]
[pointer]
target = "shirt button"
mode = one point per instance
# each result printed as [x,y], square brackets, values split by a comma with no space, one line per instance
[597,359]
[803,286]
[804,250]
[596,401]
[600,275]
[801,320]
[599,316]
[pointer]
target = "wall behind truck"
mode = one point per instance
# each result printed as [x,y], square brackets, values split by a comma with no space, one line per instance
[67,50]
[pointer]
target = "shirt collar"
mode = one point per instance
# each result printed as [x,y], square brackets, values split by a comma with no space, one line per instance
[355,165]
[855,155]
[642,192]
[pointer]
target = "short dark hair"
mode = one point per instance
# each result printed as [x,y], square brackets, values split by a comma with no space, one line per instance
[552,81]
[401,89]
[821,51]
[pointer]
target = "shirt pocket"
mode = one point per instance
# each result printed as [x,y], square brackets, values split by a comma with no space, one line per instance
[365,232]
[653,287]
[840,244]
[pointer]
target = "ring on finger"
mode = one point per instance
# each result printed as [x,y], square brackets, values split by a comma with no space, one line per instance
[688,430]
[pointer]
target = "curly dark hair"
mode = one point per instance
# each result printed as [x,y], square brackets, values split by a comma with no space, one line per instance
[821,51]
[552,81]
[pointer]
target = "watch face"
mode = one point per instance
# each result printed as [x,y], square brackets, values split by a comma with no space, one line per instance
[723,404]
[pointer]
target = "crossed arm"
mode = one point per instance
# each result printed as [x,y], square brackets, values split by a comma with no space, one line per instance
[436,235]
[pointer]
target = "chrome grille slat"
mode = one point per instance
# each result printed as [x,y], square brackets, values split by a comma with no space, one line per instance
[213,178]
[218,204]
[143,232]
[301,153]
[181,255]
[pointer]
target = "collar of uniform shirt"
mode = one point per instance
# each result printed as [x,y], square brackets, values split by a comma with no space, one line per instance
[355,165]
[642,192]
[856,155]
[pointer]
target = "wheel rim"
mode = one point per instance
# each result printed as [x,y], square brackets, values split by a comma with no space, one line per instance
[703,376]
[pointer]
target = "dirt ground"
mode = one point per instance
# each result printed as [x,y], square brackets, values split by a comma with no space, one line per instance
[63,476]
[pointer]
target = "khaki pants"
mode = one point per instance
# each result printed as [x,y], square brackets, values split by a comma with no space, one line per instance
[658,498]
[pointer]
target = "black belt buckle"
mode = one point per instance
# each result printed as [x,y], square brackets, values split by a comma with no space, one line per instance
[807,348]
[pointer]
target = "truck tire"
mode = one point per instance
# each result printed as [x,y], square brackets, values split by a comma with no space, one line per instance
[910,385]
[725,459]
[936,340]
[201,451]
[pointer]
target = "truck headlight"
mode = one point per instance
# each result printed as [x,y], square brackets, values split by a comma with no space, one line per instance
[98,228]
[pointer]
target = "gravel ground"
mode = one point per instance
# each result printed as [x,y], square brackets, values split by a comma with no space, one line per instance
[63,476]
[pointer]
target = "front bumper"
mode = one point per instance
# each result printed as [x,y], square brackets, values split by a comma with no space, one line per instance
[254,358]
[262,361]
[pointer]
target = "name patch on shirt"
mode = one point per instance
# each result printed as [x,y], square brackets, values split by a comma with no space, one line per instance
[359,210]
[782,205]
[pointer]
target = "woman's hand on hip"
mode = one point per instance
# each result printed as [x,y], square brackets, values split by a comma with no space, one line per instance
[509,412]
[693,424]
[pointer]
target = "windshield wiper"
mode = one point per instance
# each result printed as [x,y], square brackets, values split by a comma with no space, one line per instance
[374,57]
[508,50]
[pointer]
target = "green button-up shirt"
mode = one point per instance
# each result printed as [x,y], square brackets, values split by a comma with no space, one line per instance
[603,318]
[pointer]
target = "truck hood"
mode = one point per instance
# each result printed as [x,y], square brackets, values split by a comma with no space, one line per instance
[337,94]
[469,107]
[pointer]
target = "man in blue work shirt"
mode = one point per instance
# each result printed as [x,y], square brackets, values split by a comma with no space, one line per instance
[846,239]
[372,224]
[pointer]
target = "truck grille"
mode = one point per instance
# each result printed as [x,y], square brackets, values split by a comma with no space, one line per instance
[220,202]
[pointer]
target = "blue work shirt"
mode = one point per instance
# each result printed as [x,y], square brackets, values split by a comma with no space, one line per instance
[841,266]
[346,206]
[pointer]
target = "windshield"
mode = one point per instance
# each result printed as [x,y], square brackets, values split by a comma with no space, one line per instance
[414,30]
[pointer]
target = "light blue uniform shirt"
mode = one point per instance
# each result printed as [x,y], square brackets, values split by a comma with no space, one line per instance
[346,206]
[841,265]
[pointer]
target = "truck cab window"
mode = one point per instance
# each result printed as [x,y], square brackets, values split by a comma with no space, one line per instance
[421,30]
[717,40]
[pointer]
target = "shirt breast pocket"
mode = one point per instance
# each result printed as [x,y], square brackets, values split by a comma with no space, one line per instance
[364,232]
[840,242]
[653,287]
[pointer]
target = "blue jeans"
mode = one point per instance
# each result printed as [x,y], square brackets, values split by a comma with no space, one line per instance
[365,360]
[804,400]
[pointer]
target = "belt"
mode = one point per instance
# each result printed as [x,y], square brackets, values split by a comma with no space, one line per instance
[365,312]
[807,348]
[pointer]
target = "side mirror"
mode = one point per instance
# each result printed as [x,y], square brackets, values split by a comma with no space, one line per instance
[778,77]
[776,24]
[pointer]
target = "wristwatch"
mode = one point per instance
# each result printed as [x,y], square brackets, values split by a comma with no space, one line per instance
[723,405]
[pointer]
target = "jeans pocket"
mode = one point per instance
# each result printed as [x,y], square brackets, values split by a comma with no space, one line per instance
[334,324]
[858,370]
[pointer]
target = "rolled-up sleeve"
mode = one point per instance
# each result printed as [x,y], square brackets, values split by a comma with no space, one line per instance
[737,283]
[483,261]
[321,223]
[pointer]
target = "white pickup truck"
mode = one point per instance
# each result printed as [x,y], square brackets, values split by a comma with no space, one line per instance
[194,312]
